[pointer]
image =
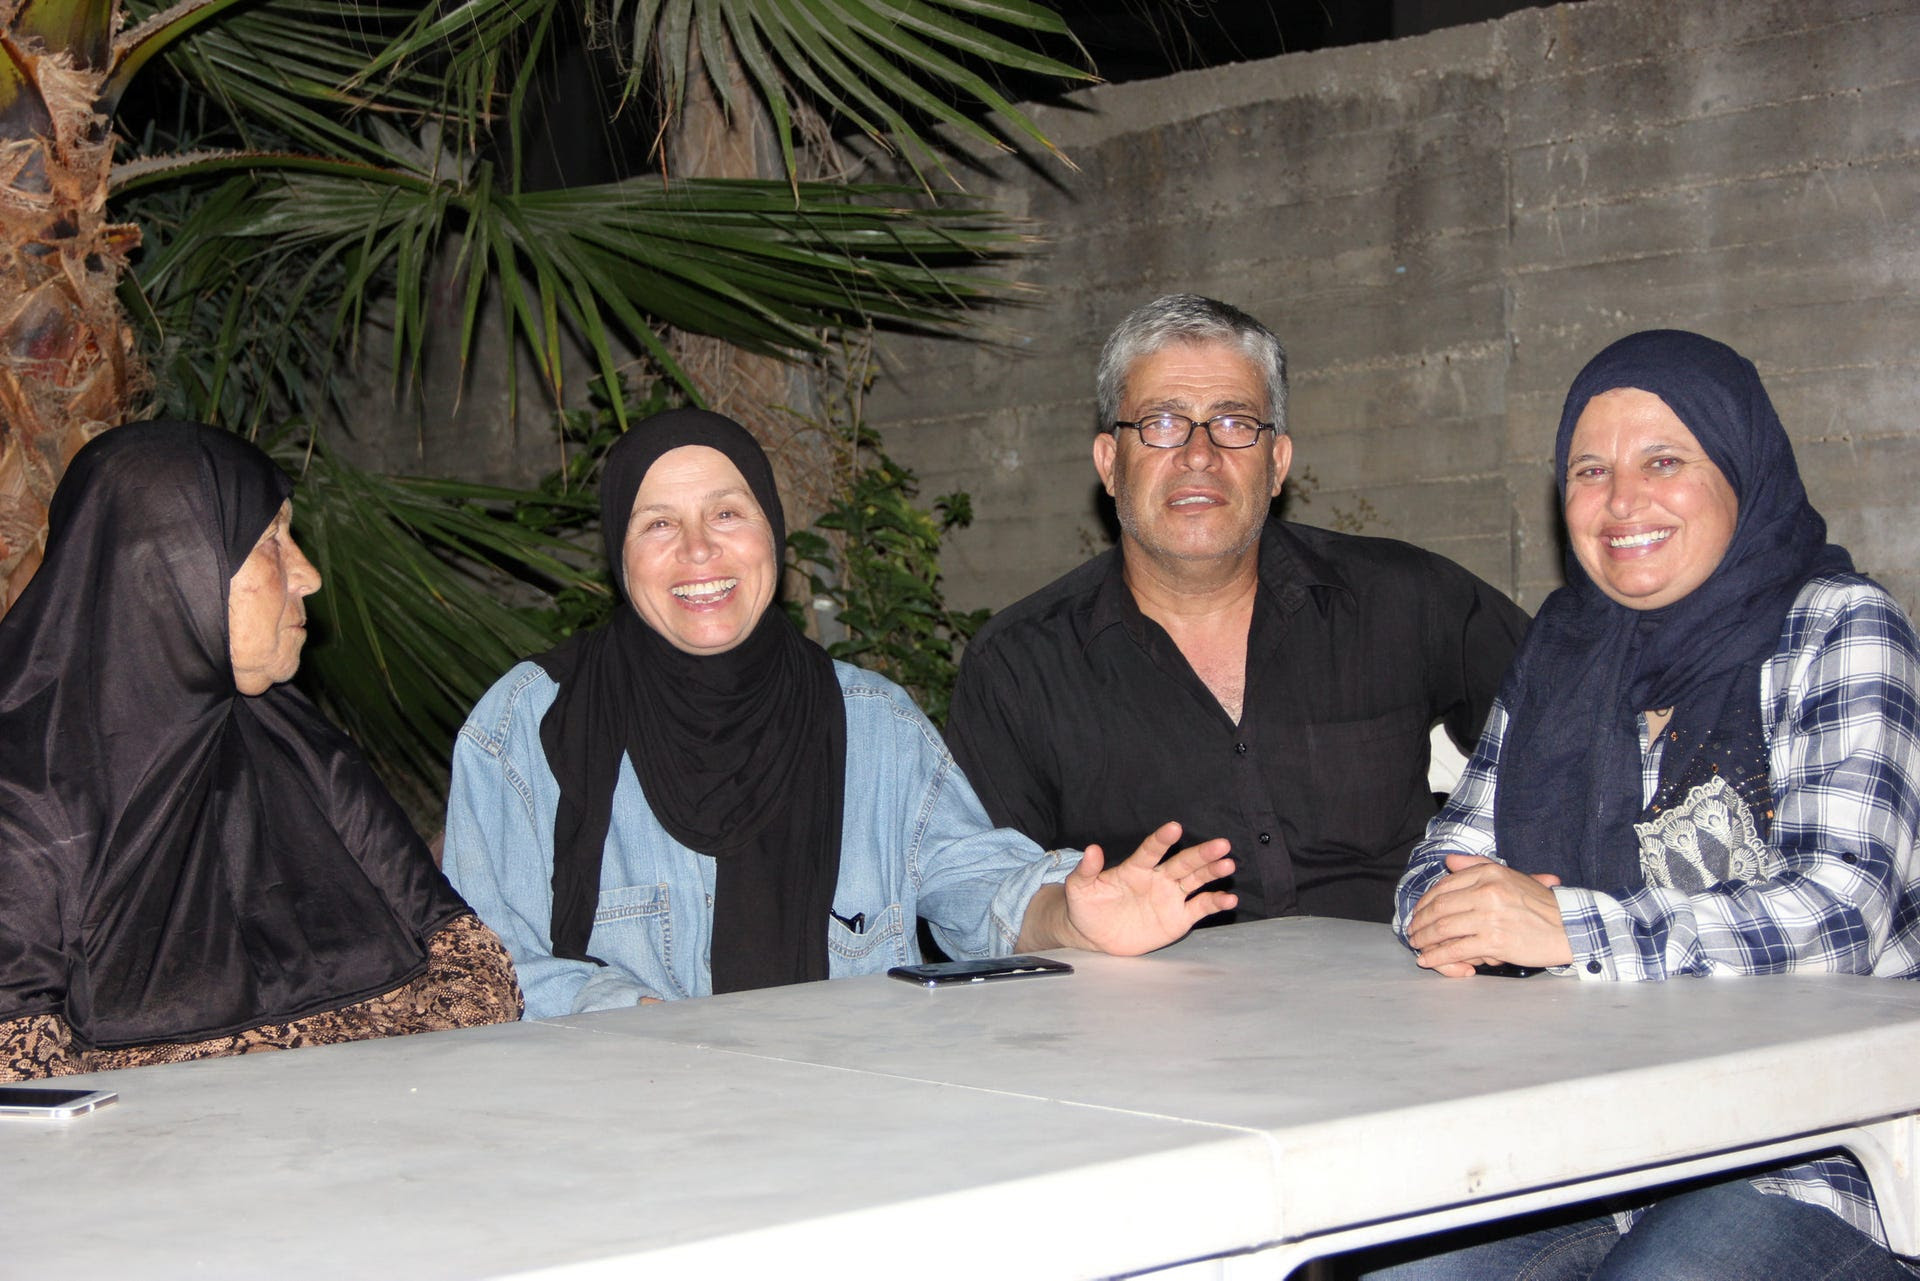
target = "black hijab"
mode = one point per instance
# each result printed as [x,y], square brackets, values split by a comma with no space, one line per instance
[179,860]
[1570,787]
[741,755]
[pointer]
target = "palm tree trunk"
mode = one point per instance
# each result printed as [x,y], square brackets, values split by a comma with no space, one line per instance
[774,399]
[68,366]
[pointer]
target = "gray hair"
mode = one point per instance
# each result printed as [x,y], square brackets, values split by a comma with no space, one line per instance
[1188,318]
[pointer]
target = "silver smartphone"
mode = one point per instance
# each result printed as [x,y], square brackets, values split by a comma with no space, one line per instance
[943,973]
[51,1102]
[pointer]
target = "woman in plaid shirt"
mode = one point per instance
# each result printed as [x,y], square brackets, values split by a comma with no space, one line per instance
[1705,760]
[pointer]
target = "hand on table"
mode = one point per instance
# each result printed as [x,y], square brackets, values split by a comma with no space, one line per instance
[1486,913]
[1135,906]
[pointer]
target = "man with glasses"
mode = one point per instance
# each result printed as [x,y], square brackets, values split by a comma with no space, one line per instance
[1271,683]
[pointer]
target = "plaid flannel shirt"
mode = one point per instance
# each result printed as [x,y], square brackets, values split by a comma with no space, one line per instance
[1842,717]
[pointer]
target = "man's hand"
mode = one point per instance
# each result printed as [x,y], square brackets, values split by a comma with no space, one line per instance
[1133,907]
[1485,913]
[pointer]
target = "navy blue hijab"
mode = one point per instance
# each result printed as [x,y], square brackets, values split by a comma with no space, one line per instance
[1570,787]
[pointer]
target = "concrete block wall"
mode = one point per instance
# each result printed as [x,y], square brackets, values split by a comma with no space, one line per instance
[1442,230]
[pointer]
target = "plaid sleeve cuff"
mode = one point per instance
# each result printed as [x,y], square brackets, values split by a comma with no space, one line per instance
[1586,914]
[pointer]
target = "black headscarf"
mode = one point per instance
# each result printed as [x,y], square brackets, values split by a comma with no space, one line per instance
[741,755]
[1570,786]
[179,860]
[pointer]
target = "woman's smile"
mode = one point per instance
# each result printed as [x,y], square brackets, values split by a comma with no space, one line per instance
[708,592]
[1638,542]
[699,558]
[1648,513]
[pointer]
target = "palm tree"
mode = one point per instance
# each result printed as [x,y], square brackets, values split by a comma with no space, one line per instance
[333,154]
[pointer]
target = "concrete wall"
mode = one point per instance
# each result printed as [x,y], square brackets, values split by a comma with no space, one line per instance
[1442,230]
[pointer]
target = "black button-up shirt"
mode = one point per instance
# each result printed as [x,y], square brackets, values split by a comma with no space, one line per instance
[1079,721]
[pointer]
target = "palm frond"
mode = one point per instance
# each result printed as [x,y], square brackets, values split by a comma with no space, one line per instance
[284,70]
[410,625]
[223,329]
[897,69]
[748,261]
[340,170]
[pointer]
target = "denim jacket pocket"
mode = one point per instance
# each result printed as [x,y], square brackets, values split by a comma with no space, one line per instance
[635,922]
[881,943]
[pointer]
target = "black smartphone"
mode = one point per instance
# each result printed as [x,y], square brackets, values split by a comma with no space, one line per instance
[51,1102]
[1509,970]
[943,973]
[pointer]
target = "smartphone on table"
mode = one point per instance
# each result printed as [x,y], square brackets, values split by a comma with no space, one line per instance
[51,1103]
[993,969]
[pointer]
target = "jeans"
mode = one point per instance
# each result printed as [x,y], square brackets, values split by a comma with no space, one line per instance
[1727,1231]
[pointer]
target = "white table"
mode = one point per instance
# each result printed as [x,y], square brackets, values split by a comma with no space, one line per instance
[1251,1098]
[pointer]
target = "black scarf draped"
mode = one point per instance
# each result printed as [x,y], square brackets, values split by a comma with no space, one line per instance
[1570,786]
[179,860]
[740,755]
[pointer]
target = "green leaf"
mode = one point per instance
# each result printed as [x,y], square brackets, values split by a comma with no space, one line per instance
[410,627]
[134,47]
[865,61]
[743,260]
[878,563]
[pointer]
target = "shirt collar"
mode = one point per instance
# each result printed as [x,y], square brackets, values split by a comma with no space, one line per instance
[1289,570]
[1289,567]
[1114,605]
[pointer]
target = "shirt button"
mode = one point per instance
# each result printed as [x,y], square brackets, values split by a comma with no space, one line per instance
[1239,749]
[1266,839]
[1593,967]
[1849,858]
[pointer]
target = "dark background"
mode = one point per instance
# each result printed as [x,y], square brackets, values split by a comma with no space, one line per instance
[1140,39]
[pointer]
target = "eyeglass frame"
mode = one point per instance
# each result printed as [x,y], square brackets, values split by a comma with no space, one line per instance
[1113,429]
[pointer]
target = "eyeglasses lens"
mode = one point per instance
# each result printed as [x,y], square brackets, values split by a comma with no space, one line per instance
[1171,431]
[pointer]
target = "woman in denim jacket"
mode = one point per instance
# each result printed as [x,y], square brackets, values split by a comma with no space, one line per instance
[694,798]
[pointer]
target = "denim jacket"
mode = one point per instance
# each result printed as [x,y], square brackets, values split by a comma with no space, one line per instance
[915,842]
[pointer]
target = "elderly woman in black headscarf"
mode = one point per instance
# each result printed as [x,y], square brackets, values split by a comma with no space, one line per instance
[1705,760]
[694,798]
[193,862]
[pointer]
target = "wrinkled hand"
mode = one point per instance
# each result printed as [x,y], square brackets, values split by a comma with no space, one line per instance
[1135,906]
[1486,913]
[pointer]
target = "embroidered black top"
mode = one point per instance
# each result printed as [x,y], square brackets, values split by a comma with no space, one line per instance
[1079,721]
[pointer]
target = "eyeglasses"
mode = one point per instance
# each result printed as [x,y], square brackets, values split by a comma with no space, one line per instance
[1172,431]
